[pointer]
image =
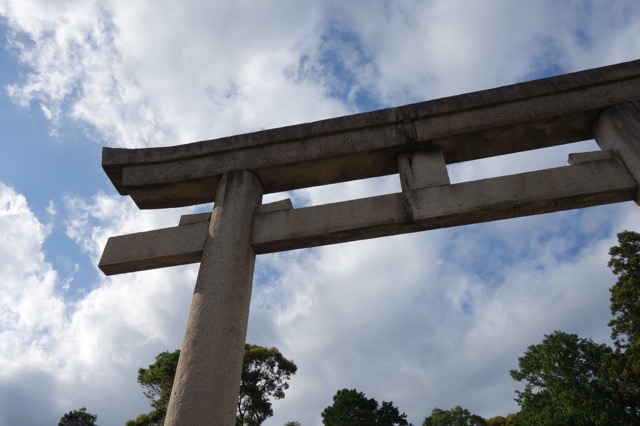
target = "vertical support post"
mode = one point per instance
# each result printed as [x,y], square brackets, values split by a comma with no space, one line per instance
[207,382]
[422,170]
[618,129]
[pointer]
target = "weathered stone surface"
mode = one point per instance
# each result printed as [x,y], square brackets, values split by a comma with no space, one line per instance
[595,178]
[178,245]
[422,169]
[618,129]
[582,185]
[583,157]
[504,120]
[206,386]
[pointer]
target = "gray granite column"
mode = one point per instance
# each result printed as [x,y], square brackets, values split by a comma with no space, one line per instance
[206,387]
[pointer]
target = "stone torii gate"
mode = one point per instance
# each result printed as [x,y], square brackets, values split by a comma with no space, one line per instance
[415,141]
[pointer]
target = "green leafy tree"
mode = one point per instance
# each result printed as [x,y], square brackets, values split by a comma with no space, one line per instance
[149,419]
[563,384]
[353,408]
[621,369]
[389,415]
[620,372]
[457,416]
[157,379]
[265,373]
[625,293]
[574,381]
[510,420]
[78,417]
[350,407]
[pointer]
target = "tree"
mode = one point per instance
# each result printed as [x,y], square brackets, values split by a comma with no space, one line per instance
[574,381]
[389,415]
[621,369]
[350,407]
[510,420]
[563,384]
[621,372]
[157,379]
[457,416]
[625,293]
[149,419]
[265,373]
[353,408]
[78,417]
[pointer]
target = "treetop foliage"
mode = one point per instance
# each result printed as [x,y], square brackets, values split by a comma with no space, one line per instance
[510,420]
[625,293]
[563,383]
[157,379]
[457,416]
[78,417]
[265,374]
[621,369]
[353,408]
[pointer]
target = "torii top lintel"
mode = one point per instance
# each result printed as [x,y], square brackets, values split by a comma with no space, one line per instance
[519,117]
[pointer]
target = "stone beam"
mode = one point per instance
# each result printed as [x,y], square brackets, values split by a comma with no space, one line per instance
[504,120]
[178,245]
[583,184]
[592,179]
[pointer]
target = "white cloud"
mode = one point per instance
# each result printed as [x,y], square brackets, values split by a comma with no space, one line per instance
[85,352]
[412,51]
[151,73]
[191,71]
[29,307]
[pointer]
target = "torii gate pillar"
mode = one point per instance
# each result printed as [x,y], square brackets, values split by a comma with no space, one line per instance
[206,386]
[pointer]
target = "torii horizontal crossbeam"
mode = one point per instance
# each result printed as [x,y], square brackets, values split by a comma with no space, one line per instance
[592,179]
[524,116]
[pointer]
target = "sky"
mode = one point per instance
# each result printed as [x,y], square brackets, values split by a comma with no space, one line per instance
[433,319]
